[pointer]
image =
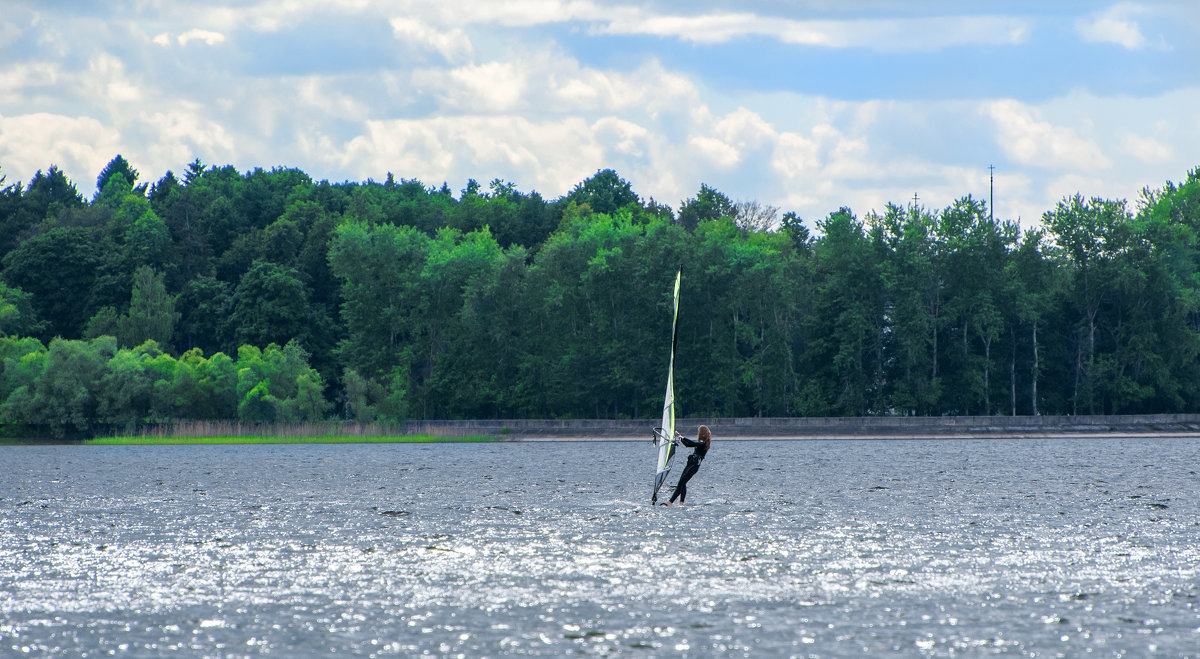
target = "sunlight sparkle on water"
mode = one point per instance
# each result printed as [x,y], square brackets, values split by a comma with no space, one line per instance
[830,548]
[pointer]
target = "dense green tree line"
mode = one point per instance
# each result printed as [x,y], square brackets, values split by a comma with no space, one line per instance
[395,300]
[76,386]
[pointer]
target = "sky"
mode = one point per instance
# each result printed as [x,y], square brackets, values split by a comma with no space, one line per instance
[805,105]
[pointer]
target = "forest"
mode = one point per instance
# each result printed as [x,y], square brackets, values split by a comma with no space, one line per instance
[266,296]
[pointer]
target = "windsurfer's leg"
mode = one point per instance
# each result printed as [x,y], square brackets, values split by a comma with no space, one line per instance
[686,476]
[681,492]
[681,489]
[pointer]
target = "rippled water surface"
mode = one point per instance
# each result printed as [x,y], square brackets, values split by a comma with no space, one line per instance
[842,548]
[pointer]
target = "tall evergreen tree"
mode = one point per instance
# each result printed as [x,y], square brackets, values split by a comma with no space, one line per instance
[118,166]
[151,315]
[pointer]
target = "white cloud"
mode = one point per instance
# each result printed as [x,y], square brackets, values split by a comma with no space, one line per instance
[744,128]
[1147,149]
[796,157]
[728,141]
[24,81]
[80,146]
[1030,141]
[1072,183]
[478,88]
[624,137]
[271,16]
[718,153]
[571,88]
[453,45]
[108,81]
[321,99]
[901,34]
[715,28]
[208,37]
[180,134]
[1113,25]
[850,157]
[550,155]
[650,89]
[595,90]
[547,81]
[513,13]
[893,34]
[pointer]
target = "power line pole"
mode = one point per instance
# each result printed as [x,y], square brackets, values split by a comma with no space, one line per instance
[991,192]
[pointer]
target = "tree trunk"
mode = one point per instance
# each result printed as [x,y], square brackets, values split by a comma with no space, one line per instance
[987,367]
[935,349]
[1035,369]
[1012,373]
[966,361]
[1078,369]
[1091,361]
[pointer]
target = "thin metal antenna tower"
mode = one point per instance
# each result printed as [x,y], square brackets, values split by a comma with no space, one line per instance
[991,192]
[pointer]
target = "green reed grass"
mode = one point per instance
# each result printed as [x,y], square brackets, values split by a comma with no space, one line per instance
[162,440]
[224,432]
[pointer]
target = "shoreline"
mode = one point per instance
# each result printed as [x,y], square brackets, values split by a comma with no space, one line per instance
[866,437]
[1161,426]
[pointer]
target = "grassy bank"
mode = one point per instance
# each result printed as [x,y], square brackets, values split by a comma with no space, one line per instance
[162,440]
[220,432]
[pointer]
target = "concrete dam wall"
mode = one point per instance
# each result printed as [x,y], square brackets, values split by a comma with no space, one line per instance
[826,427]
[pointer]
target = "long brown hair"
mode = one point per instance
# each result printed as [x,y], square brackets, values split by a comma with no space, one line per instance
[703,434]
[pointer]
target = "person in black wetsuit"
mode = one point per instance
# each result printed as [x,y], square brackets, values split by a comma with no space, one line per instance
[700,449]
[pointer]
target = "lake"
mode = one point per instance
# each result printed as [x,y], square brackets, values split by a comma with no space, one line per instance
[1056,547]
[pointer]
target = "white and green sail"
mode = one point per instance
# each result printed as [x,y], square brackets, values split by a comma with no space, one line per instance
[664,435]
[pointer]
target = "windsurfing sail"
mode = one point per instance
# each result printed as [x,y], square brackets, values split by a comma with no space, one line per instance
[664,435]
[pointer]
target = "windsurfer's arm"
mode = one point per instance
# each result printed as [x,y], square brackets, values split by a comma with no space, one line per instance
[690,443]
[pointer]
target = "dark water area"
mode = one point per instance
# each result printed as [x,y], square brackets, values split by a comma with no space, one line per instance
[1042,548]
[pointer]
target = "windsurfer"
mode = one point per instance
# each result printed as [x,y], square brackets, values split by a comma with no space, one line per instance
[699,448]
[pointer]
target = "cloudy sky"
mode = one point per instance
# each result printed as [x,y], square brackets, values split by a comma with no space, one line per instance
[807,105]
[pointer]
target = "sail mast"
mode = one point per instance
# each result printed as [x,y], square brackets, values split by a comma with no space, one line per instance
[669,401]
[665,434]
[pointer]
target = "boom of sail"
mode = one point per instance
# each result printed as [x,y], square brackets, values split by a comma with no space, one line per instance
[664,435]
